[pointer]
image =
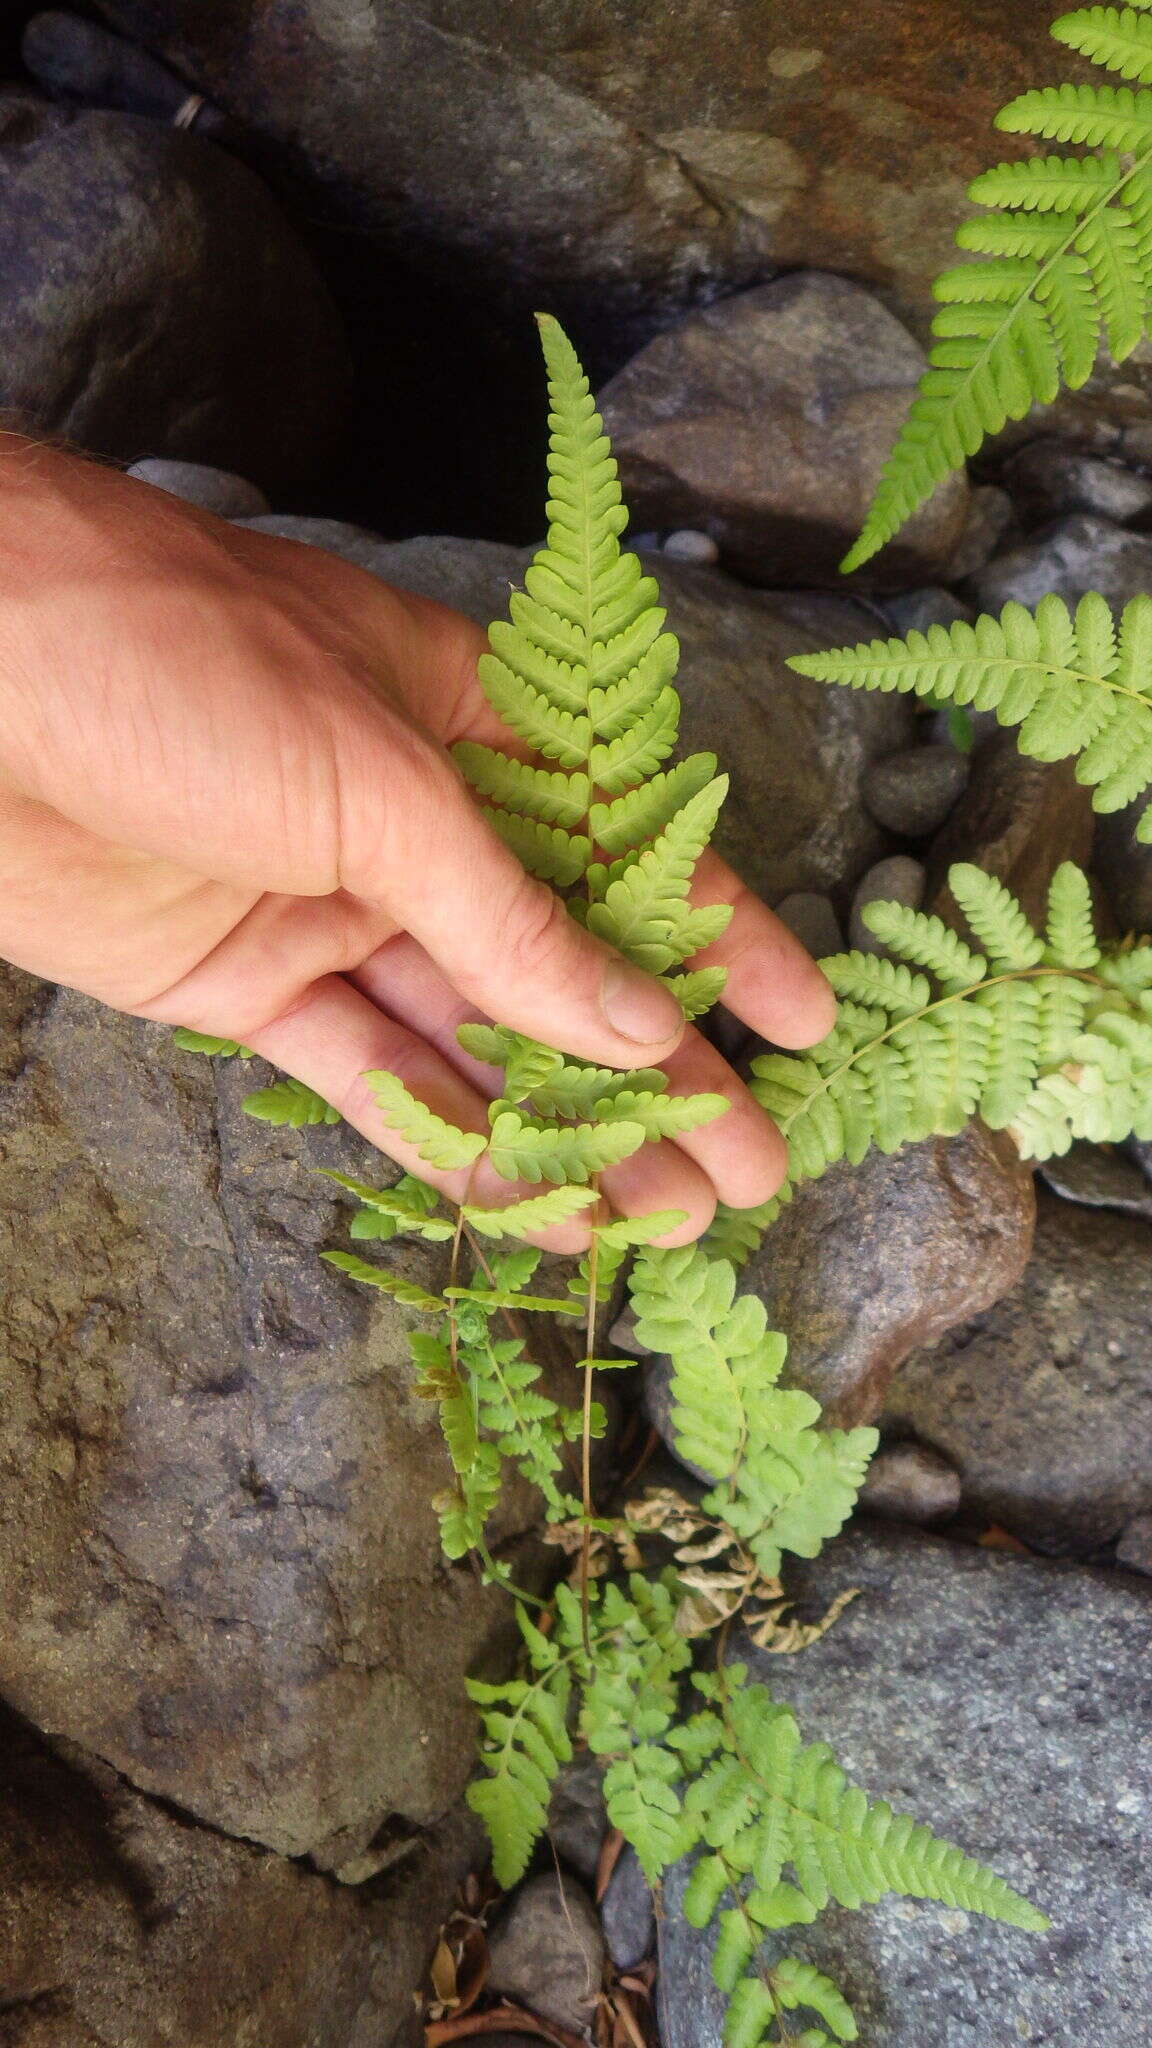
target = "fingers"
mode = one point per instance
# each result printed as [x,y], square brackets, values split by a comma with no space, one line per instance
[772,983]
[419,844]
[742,1153]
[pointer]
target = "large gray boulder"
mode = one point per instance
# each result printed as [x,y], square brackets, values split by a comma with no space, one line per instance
[156,301]
[219,1560]
[1006,1704]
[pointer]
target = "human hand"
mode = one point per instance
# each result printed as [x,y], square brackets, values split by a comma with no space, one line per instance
[225,802]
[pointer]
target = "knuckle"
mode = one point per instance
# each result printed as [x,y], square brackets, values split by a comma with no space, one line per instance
[536,937]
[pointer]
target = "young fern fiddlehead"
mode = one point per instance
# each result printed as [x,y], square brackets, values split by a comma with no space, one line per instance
[1066,255]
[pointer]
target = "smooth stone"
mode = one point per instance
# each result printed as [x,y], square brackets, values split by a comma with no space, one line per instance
[214,490]
[913,611]
[988,519]
[622,1334]
[795,750]
[546,1951]
[812,919]
[1049,479]
[1018,819]
[766,419]
[1042,1402]
[913,792]
[156,299]
[1098,1179]
[627,1912]
[1078,554]
[688,545]
[1135,1546]
[898,879]
[871,1262]
[1005,1703]
[577,1816]
[908,1482]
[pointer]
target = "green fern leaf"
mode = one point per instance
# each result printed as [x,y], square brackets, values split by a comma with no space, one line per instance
[290,1102]
[522,1149]
[440,1143]
[401,1290]
[996,918]
[798,1983]
[524,1219]
[1070,682]
[203,1041]
[697,991]
[392,1212]
[541,793]
[1064,261]
[644,813]
[1070,931]
[545,850]
[925,940]
[526,1744]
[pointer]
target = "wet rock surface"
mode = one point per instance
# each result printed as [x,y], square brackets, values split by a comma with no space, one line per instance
[1048,479]
[913,792]
[906,1482]
[1042,1402]
[156,301]
[1084,552]
[1005,1702]
[766,420]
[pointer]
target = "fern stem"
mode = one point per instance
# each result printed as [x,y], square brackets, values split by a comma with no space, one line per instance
[586,1435]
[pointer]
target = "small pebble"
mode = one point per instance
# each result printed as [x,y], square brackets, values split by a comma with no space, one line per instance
[214,490]
[911,1483]
[1049,479]
[989,515]
[913,791]
[547,1951]
[812,919]
[689,545]
[645,543]
[627,1914]
[1135,1546]
[899,879]
[916,610]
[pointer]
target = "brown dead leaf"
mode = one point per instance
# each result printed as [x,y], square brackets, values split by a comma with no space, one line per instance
[500,2019]
[607,1860]
[784,1638]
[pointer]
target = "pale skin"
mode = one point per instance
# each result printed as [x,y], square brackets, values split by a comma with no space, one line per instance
[226,801]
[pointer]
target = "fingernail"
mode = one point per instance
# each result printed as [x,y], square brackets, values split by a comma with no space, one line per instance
[637,1007]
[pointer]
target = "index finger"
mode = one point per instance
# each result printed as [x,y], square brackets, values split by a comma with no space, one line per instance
[773,985]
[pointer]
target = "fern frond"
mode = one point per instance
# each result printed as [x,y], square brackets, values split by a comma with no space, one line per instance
[1049,1041]
[642,914]
[643,813]
[1065,261]
[440,1143]
[525,1743]
[1071,682]
[545,850]
[392,1212]
[289,1102]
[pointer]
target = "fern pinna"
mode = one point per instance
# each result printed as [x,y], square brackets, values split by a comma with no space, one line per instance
[1065,263]
[1072,682]
[1048,1036]
[582,676]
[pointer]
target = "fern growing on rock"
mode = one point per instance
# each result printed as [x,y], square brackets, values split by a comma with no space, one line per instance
[582,675]
[1064,263]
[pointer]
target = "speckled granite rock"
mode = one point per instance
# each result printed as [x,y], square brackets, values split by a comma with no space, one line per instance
[1006,1704]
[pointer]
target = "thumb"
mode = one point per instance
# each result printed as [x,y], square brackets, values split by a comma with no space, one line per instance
[503,939]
